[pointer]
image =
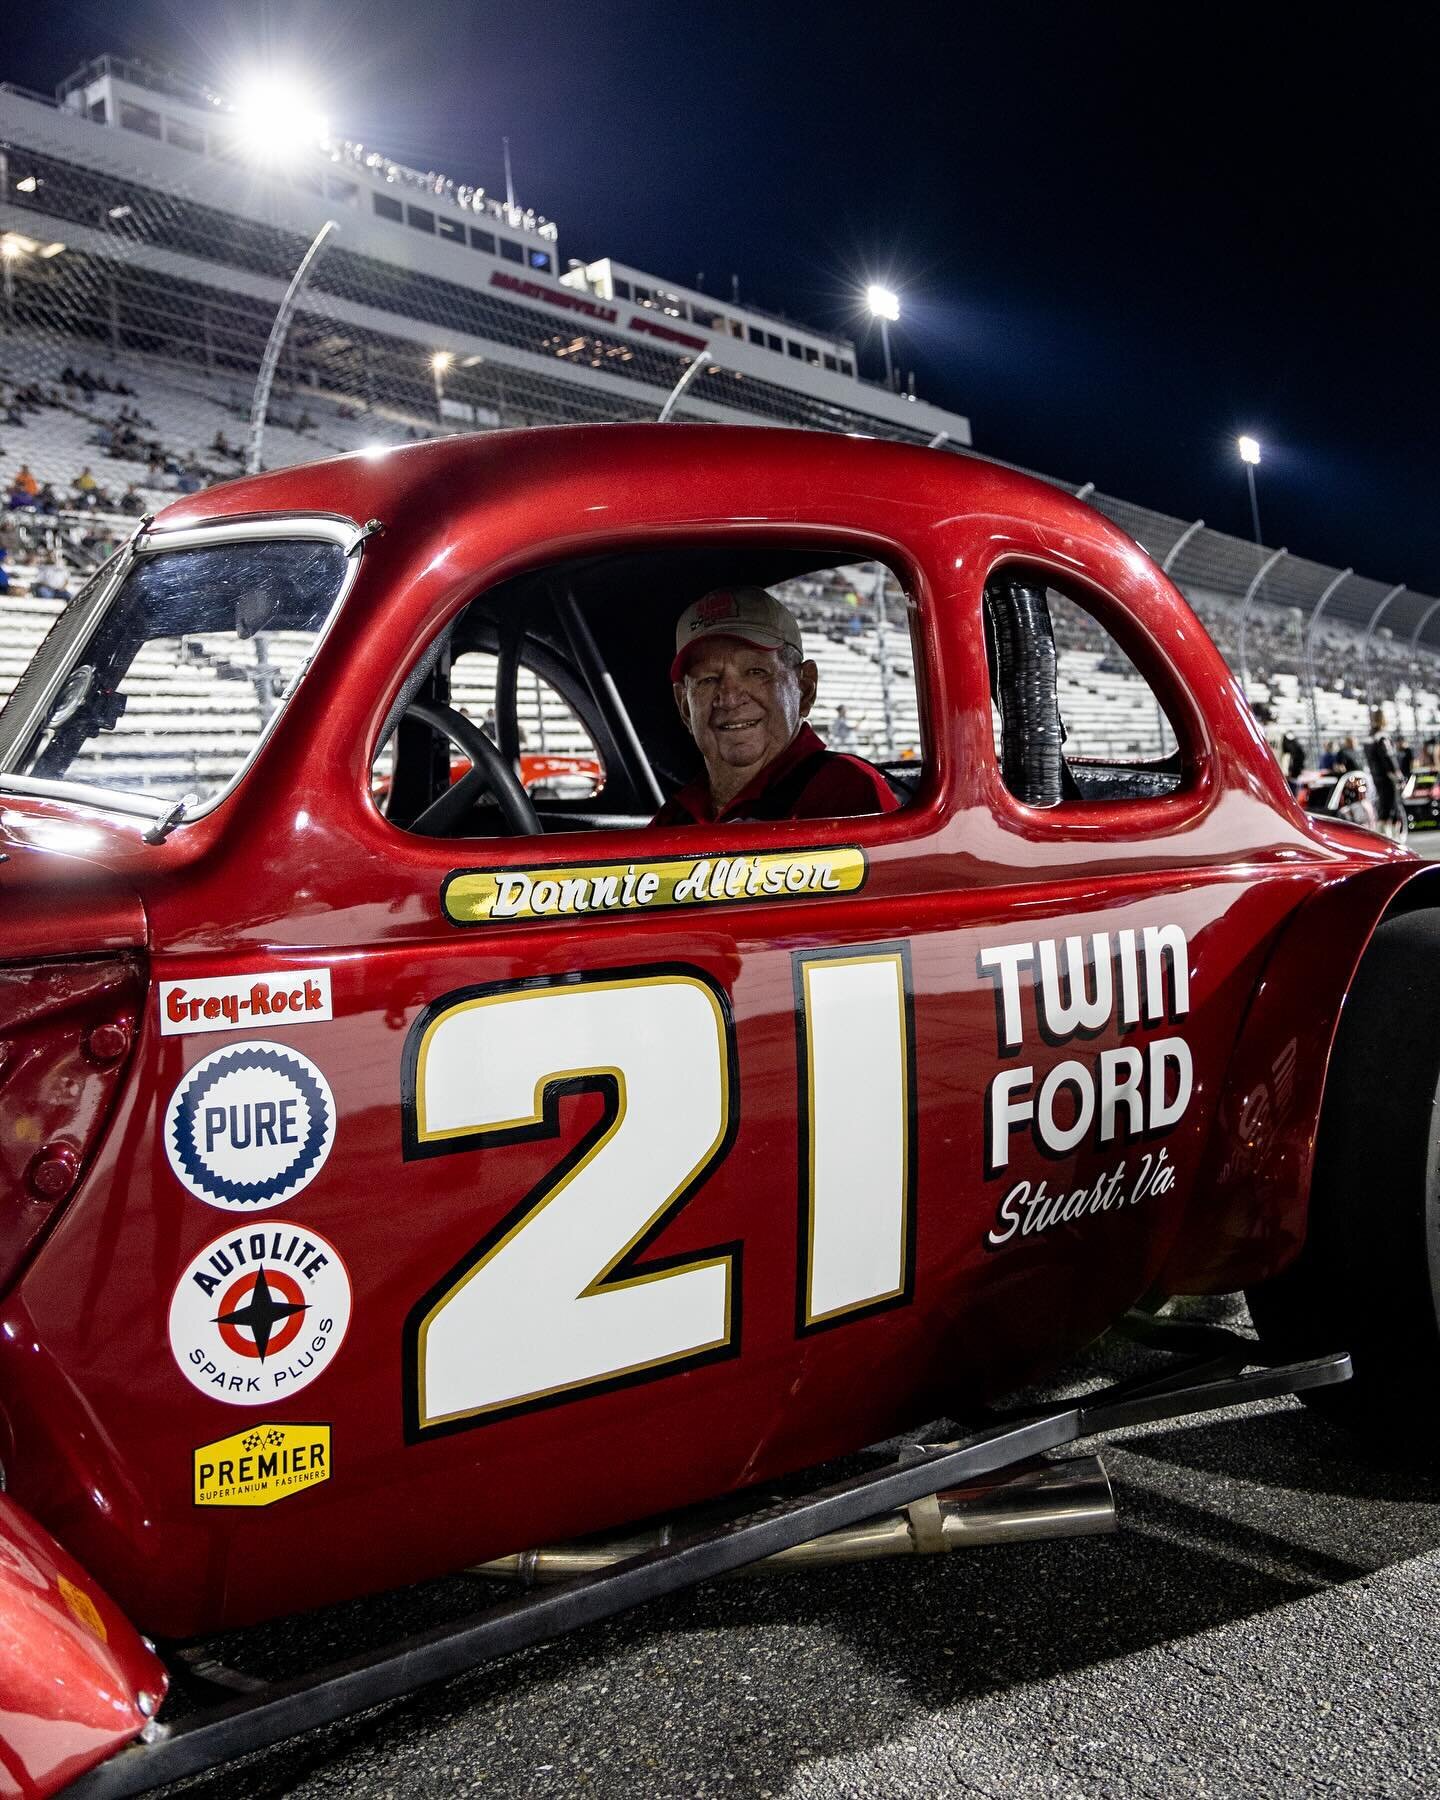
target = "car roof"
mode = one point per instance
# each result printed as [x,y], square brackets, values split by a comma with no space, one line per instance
[626,461]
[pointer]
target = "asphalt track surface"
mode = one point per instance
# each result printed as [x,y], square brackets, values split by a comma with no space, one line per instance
[1265,1622]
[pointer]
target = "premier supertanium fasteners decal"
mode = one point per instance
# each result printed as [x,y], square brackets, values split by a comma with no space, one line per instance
[250,1126]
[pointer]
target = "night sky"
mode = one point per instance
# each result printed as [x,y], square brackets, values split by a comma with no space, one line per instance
[1122,234]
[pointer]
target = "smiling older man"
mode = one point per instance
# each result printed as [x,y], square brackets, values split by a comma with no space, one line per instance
[744,687]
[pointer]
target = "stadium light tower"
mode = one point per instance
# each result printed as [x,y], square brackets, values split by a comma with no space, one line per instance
[276,119]
[884,306]
[1249,449]
[439,363]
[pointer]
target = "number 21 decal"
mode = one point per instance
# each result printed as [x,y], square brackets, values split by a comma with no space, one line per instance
[555,1301]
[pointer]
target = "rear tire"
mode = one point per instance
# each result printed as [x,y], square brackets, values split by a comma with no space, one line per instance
[1368,1276]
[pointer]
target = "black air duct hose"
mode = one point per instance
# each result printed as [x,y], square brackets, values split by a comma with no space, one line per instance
[1024,683]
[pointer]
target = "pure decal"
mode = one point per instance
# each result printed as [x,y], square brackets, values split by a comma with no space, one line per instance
[250,1126]
[1064,991]
[258,1316]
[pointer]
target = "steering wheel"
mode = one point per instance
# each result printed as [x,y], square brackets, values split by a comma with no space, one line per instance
[488,770]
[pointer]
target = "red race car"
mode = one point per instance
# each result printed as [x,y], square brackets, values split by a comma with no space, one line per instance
[400,1173]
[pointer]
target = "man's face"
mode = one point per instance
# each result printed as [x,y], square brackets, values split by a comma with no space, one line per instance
[742,706]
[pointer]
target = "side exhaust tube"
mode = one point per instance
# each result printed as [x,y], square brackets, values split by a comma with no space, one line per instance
[1070,1497]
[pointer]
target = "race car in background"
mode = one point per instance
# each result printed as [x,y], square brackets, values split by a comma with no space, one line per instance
[1422,800]
[399,1178]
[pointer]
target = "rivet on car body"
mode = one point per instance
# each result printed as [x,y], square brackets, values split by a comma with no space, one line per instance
[53,1172]
[108,1043]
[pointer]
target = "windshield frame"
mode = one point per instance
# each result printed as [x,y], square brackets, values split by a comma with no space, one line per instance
[63,647]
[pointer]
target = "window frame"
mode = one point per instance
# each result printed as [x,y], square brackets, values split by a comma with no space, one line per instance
[917,816]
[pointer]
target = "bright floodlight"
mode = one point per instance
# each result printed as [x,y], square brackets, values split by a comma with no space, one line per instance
[276,118]
[882,303]
[441,361]
[1250,450]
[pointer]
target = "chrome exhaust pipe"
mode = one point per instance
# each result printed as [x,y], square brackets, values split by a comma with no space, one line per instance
[1071,1497]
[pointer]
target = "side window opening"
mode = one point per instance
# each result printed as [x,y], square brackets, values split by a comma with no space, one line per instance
[1074,719]
[597,742]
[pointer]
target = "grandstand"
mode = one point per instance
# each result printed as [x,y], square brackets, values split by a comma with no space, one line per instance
[146,257]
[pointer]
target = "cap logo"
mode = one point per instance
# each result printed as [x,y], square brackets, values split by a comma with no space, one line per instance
[715,606]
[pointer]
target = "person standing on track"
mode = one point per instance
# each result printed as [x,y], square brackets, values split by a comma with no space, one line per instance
[1385,771]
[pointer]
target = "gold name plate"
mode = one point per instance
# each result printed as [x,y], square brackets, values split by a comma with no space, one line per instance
[493,896]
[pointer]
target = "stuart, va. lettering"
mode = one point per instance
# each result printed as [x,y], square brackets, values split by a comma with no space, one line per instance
[1079,987]
[1031,1208]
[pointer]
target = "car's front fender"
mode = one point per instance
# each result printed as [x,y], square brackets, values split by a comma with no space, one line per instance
[1248,1218]
[77,1681]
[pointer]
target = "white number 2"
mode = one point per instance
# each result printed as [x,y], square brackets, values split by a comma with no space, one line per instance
[547,1303]
[551,1302]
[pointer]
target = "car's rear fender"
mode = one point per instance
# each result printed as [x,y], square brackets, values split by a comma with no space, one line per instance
[1249,1216]
[77,1681]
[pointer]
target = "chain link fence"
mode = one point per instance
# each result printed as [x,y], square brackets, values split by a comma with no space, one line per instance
[133,330]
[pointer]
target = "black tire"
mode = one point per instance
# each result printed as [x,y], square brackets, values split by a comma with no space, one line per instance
[1368,1278]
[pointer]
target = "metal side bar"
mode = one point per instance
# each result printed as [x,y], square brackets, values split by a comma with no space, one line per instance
[285,1708]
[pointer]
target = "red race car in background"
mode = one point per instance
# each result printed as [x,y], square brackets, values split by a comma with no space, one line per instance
[400,1172]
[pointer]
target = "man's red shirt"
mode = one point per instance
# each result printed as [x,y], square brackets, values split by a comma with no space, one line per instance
[828,785]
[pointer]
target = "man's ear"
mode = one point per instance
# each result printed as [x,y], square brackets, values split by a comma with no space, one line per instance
[808,675]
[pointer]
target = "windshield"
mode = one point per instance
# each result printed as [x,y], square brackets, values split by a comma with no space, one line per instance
[171,692]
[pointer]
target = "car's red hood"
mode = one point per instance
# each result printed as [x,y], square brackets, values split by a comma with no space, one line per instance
[58,896]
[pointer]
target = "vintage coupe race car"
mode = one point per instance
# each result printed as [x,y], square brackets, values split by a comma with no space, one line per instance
[400,1172]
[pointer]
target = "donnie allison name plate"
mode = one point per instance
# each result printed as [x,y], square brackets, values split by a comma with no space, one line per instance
[490,896]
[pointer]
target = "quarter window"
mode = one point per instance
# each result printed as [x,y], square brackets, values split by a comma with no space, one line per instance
[386,208]
[1074,718]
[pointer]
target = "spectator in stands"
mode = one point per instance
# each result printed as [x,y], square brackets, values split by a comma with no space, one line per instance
[85,482]
[1327,757]
[47,500]
[220,444]
[52,582]
[841,735]
[132,501]
[24,487]
[743,686]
